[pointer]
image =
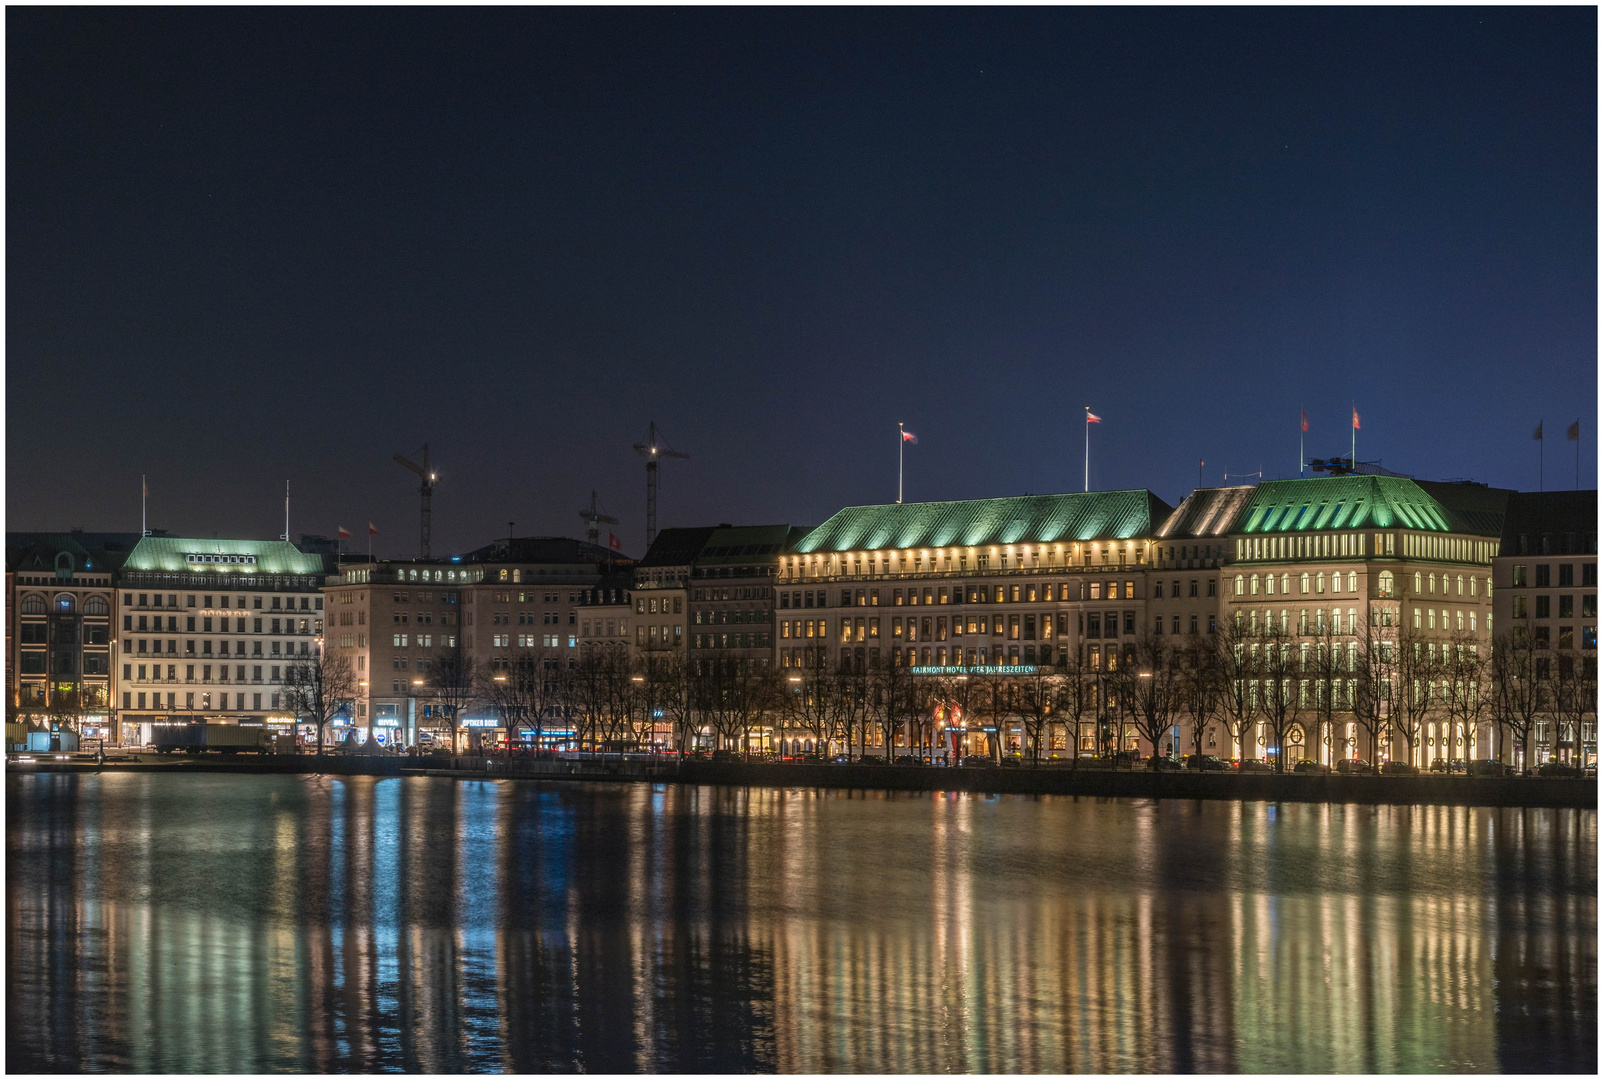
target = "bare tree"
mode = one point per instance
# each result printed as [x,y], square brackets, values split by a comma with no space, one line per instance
[1201,688]
[1374,679]
[1324,671]
[1037,701]
[1282,698]
[1463,675]
[1418,668]
[1574,697]
[1075,698]
[1149,689]
[892,701]
[453,684]
[1237,672]
[1518,692]
[319,688]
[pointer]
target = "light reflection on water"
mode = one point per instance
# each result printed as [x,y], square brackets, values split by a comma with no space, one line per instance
[268,923]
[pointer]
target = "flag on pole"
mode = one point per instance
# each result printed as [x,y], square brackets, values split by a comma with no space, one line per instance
[1537,434]
[144,488]
[614,543]
[370,530]
[1355,420]
[344,533]
[1573,433]
[908,436]
[1305,420]
[1092,418]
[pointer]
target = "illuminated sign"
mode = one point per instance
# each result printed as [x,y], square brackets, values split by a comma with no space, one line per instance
[978,669]
[481,722]
[386,721]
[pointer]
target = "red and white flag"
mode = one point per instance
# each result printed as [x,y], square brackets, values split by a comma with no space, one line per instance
[344,533]
[1305,420]
[1355,418]
[908,436]
[370,530]
[1092,418]
[614,543]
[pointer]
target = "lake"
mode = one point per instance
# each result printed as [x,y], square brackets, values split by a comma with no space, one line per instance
[263,923]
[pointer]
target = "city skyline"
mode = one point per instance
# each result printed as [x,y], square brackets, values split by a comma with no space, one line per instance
[320,238]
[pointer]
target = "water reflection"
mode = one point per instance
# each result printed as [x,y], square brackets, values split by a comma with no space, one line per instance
[252,924]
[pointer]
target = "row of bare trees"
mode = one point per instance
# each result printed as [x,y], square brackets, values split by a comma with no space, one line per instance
[1394,684]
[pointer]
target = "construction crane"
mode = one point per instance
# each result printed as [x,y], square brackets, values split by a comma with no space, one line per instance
[592,519]
[653,453]
[427,474]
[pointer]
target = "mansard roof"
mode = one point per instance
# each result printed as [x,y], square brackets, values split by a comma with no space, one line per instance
[173,554]
[1022,519]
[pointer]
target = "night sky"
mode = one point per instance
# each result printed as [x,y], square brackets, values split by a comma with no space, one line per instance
[245,246]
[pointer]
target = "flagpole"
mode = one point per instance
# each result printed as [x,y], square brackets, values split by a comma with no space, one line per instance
[144,491]
[1355,439]
[1577,454]
[899,441]
[1302,419]
[1088,448]
[1541,457]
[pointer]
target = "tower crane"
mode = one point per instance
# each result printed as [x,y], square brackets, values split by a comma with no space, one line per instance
[592,518]
[427,474]
[653,453]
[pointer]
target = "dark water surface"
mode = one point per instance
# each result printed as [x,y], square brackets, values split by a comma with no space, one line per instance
[243,924]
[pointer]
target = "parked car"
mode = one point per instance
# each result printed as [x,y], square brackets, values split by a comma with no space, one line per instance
[1308,765]
[1443,765]
[1487,767]
[1205,763]
[908,759]
[1012,761]
[1353,766]
[979,761]
[725,755]
[1163,764]
[841,759]
[1559,768]
[1255,765]
[1399,768]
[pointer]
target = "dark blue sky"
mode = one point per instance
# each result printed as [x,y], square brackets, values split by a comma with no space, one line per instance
[245,246]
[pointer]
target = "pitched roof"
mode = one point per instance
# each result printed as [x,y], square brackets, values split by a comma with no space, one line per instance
[729,545]
[677,547]
[170,554]
[1342,502]
[1206,512]
[91,551]
[1533,513]
[1026,519]
[1471,508]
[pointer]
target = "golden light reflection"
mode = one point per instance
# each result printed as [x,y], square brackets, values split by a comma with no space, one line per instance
[358,925]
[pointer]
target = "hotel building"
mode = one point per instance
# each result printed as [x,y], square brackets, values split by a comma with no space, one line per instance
[207,628]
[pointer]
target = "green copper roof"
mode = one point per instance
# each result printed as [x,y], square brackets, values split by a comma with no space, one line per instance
[1341,502]
[172,554]
[1023,519]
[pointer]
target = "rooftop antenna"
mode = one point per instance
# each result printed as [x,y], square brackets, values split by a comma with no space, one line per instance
[427,491]
[653,453]
[592,519]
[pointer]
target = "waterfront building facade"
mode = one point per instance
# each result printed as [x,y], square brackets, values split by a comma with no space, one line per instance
[207,630]
[60,629]
[513,603]
[1545,615]
[1326,583]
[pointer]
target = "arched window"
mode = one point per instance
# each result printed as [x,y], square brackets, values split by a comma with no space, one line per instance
[1352,581]
[1269,584]
[33,605]
[64,563]
[1241,585]
[1305,583]
[95,605]
[1385,584]
[1460,584]
[1431,583]
[1255,584]
[64,604]
[1419,583]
